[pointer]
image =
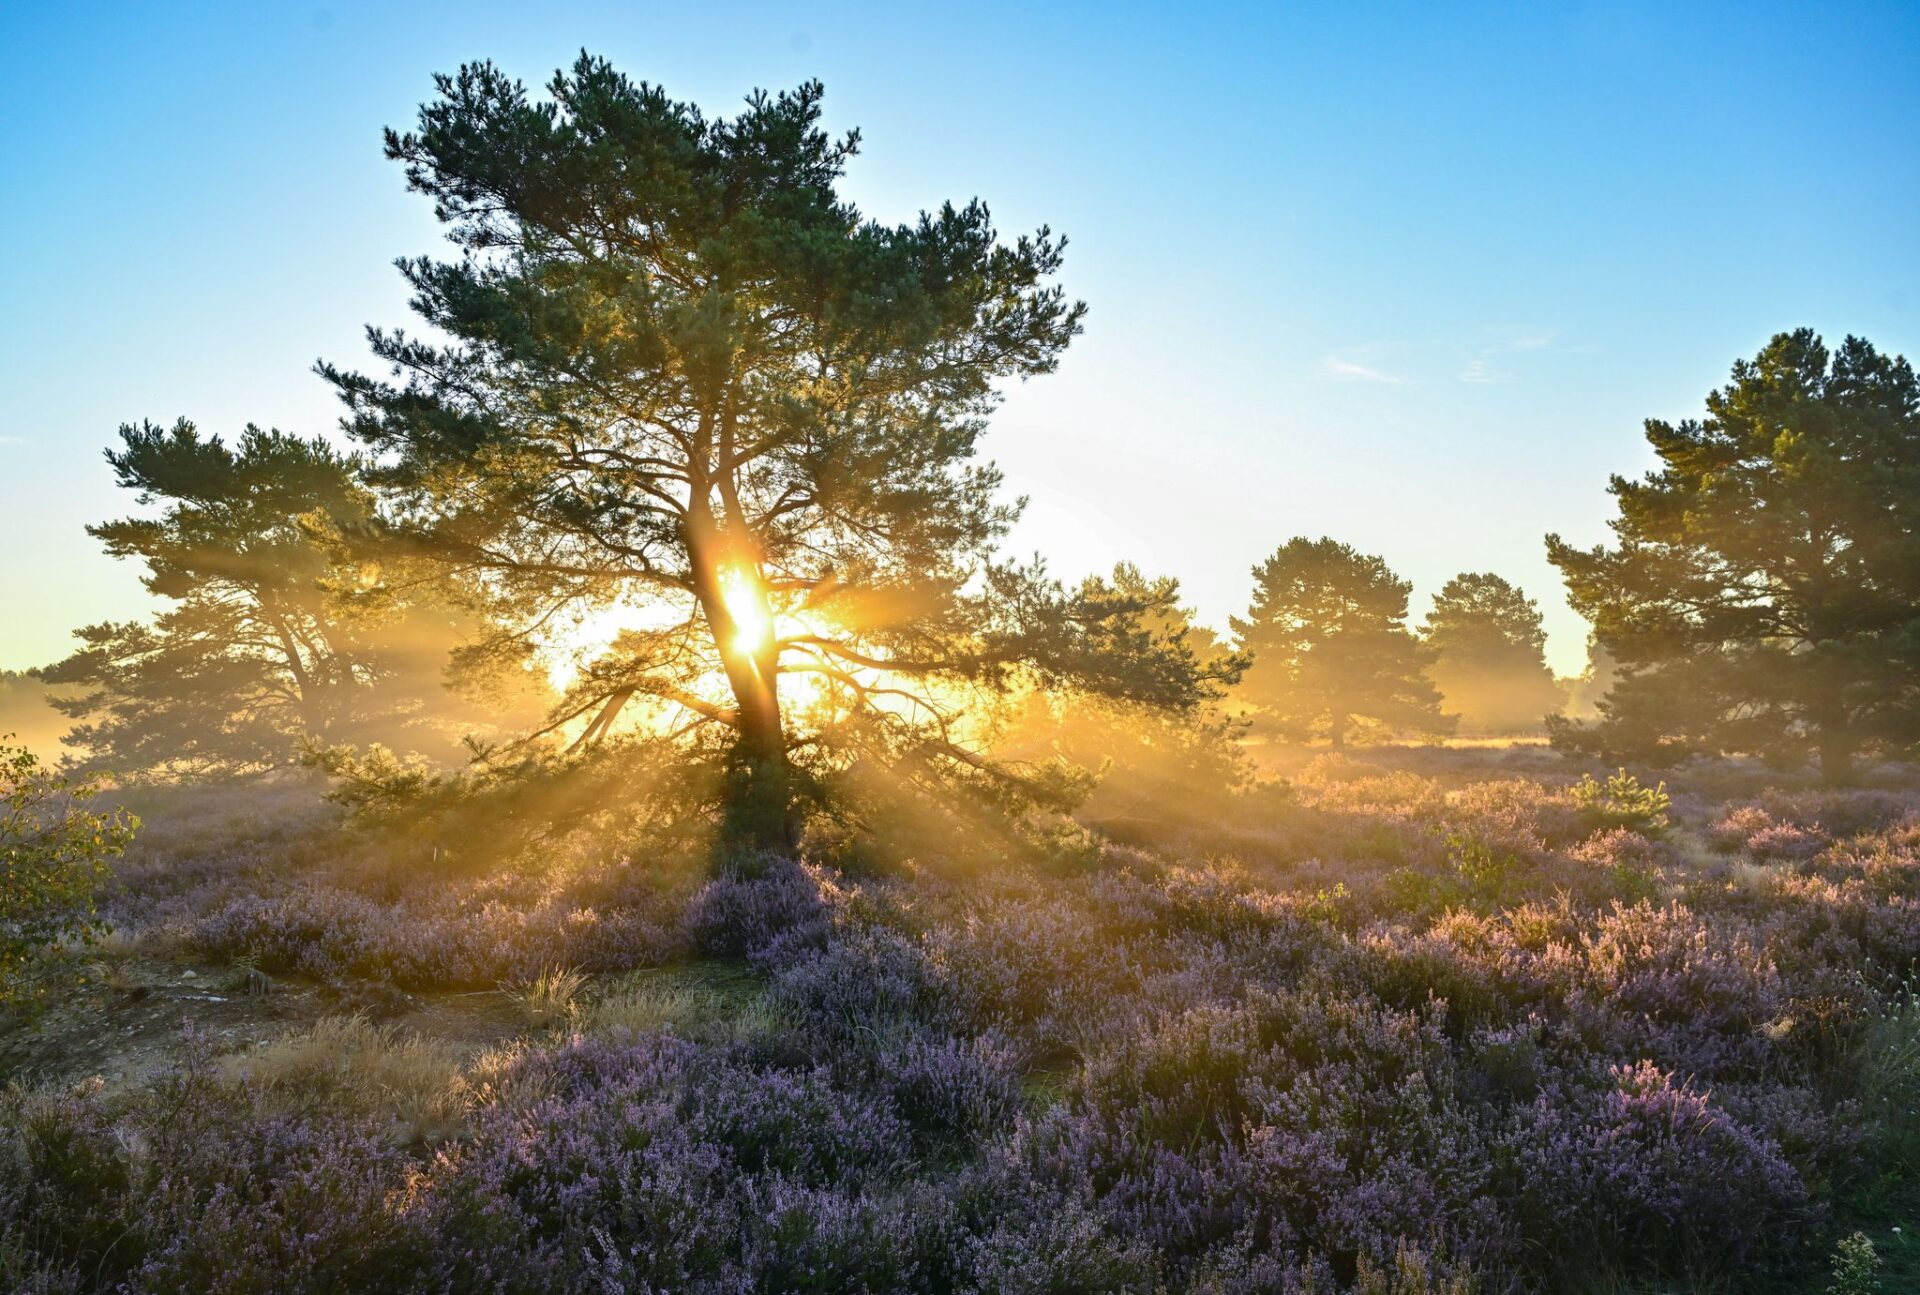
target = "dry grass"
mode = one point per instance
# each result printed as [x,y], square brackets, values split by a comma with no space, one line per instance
[549,998]
[349,1061]
[703,1002]
[653,1007]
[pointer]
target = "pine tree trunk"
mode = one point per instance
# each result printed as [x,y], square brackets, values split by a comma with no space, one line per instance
[758,815]
[1836,741]
[1836,758]
[758,810]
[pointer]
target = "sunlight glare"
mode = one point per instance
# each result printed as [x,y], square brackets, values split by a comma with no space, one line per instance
[746,602]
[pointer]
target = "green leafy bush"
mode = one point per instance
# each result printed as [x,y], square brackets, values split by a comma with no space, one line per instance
[53,856]
[1856,1266]
[1621,801]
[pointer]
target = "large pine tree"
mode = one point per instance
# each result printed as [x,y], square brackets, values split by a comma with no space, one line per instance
[684,376]
[1763,594]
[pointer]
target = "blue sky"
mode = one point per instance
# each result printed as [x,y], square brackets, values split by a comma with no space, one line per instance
[1406,275]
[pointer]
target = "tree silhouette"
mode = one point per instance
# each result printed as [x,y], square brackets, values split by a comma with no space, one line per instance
[1764,592]
[248,657]
[1489,658]
[687,379]
[256,655]
[1330,646]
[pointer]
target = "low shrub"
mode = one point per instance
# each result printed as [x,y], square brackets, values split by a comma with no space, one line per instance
[1621,801]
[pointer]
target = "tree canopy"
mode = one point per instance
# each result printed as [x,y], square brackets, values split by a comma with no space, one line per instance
[1489,655]
[1763,595]
[686,380]
[256,654]
[1330,647]
[246,656]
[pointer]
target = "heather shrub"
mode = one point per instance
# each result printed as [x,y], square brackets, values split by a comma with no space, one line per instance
[1418,1028]
[1430,972]
[196,1189]
[1634,866]
[1050,1246]
[1647,1166]
[276,1205]
[1621,848]
[65,1179]
[1693,994]
[744,912]
[1038,968]
[1794,826]
[951,1091]
[1220,899]
[1313,1124]
[1732,831]
[1888,859]
[1841,812]
[540,1191]
[665,1166]
[1517,815]
[811,1239]
[443,936]
[870,981]
[1786,842]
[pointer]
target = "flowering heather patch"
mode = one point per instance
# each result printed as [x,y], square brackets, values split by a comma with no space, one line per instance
[1646,1164]
[1420,1031]
[780,902]
[442,936]
[194,1189]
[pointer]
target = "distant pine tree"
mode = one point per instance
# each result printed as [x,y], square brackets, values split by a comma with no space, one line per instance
[258,652]
[1490,662]
[1327,633]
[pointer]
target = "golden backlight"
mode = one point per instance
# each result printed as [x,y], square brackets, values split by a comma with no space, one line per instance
[746,600]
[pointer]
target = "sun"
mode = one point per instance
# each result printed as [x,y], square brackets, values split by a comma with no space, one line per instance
[746,601]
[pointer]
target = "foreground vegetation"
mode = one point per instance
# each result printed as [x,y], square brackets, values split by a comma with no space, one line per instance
[1411,1019]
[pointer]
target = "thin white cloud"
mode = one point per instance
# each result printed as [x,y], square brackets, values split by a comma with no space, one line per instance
[1349,371]
[1482,370]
